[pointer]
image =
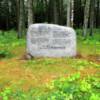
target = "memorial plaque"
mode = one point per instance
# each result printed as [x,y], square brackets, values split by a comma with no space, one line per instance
[49,40]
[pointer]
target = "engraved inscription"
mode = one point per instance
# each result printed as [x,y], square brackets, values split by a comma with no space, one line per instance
[61,34]
[61,42]
[39,41]
[51,47]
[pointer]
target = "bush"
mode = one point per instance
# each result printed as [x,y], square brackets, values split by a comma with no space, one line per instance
[5,53]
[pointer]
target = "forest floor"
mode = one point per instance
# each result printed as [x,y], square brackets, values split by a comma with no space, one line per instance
[20,74]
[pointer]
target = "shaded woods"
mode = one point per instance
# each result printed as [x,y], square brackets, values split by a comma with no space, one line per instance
[19,14]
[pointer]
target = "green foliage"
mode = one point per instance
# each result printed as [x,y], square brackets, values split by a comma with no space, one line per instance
[5,94]
[9,42]
[90,45]
[81,64]
[9,39]
[5,53]
[73,88]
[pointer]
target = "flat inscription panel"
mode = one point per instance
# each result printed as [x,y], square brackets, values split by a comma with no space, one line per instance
[48,40]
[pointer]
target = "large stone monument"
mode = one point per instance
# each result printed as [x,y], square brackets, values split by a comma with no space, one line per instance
[49,40]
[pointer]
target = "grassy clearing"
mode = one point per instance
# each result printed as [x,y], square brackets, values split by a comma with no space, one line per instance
[22,79]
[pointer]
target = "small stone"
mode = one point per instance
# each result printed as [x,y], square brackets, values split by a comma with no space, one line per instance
[28,56]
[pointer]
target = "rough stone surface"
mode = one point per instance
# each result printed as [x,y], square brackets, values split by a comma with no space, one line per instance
[49,40]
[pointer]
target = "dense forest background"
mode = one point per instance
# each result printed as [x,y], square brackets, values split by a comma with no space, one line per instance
[19,14]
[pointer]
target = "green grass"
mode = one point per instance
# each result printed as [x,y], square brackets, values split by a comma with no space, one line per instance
[90,43]
[22,79]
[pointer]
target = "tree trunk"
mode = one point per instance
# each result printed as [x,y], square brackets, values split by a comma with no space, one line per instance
[50,11]
[72,13]
[55,12]
[21,24]
[30,12]
[98,14]
[92,17]
[68,12]
[60,11]
[86,17]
